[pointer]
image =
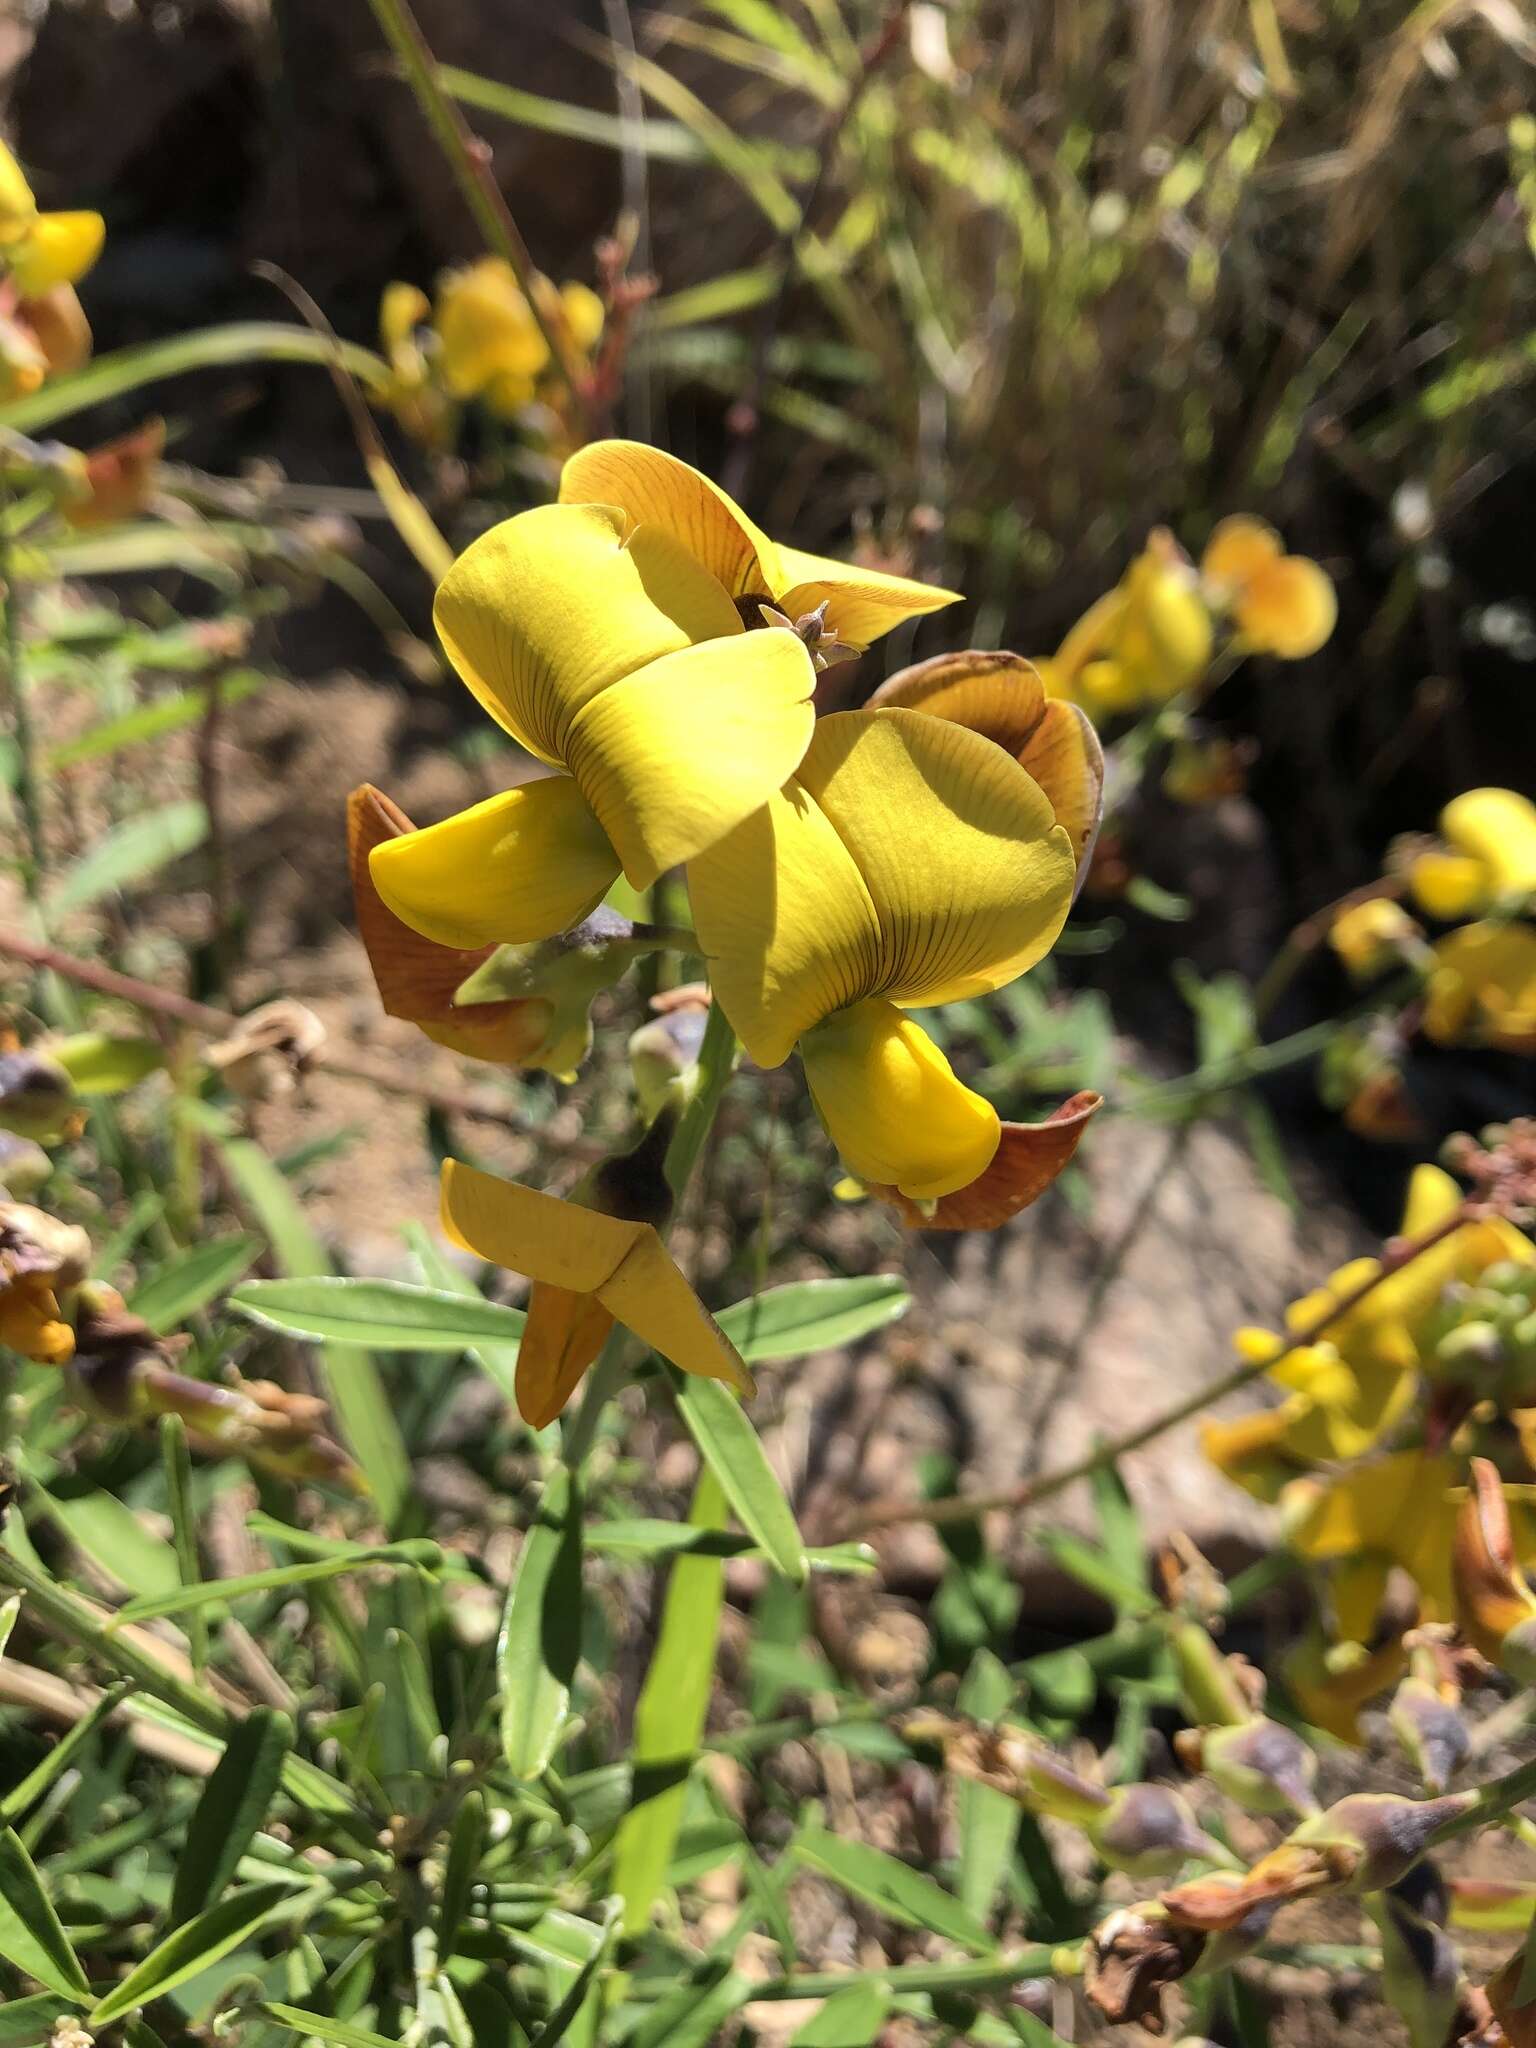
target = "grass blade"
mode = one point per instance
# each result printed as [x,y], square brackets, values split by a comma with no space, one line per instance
[232,1807]
[541,1630]
[196,1946]
[31,1936]
[731,1447]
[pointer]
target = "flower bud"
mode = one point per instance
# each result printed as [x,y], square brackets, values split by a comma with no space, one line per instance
[1495,1607]
[1373,936]
[1431,1730]
[1149,1831]
[1014,1762]
[1471,1351]
[37,1097]
[1420,1972]
[1263,1765]
[1373,1839]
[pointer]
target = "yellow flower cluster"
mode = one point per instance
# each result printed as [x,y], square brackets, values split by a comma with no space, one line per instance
[1367,1450]
[43,256]
[1153,636]
[658,654]
[481,340]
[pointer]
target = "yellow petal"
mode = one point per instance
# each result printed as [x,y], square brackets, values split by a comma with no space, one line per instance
[582,311]
[18,209]
[893,1106]
[562,1336]
[1483,987]
[969,873]
[624,1264]
[58,248]
[1449,885]
[402,309]
[486,328]
[1163,642]
[656,490]
[520,866]
[1398,1506]
[59,328]
[1496,827]
[1432,1197]
[678,754]
[786,923]
[861,603]
[1002,697]
[1356,1589]
[1289,608]
[551,607]
[1253,1450]
[1240,549]
[1028,1159]
[1091,637]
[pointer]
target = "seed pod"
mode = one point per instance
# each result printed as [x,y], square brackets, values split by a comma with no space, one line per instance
[1431,1729]
[1149,1831]
[1375,1838]
[1264,1766]
[1420,1972]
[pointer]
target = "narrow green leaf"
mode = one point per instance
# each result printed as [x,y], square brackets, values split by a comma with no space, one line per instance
[196,1946]
[694,2015]
[814,1315]
[30,1934]
[849,2019]
[129,369]
[417,1553]
[498,1361]
[189,1280]
[318,2027]
[61,1756]
[113,1538]
[131,852]
[151,721]
[558,2025]
[1119,1525]
[669,1716]
[28,2022]
[100,1064]
[663,141]
[466,1845]
[731,1447]
[541,1630]
[232,1806]
[9,1609]
[987,1819]
[352,1380]
[894,1888]
[644,1537]
[385,1315]
[1097,1571]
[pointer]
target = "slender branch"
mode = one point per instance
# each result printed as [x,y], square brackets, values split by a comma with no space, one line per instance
[1495,1801]
[211,1023]
[470,161]
[19,712]
[967,1507]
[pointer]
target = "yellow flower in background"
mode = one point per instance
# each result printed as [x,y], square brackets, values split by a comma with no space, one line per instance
[909,862]
[613,655]
[1142,643]
[589,1270]
[1280,604]
[1371,936]
[663,495]
[1394,1511]
[41,251]
[1482,988]
[1331,1681]
[40,1260]
[412,391]
[1487,855]
[492,346]
[1333,1410]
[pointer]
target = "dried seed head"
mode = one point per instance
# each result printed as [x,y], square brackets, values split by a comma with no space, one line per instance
[1149,1831]
[1131,1959]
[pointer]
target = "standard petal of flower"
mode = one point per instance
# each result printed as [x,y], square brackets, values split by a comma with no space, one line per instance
[968,871]
[18,209]
[648,1294]
[551,607]
[998,694]
[1449,885]
[520,866]
[893,1105]
[656,490]
[1028,1159]
[861,603]
[563,1335]
[487,330]
[1496,827]
[529,1232]
[58,248]
[676,755]
[785,922]
[1289,608]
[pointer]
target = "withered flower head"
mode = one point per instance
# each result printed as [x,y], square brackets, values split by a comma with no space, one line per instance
[1131,1959]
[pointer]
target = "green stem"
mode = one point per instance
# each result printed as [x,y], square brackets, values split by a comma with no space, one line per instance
[1493,1802]
[993,1973]
[469,160]
[19,711]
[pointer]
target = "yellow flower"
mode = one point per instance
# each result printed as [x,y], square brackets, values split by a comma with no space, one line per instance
[614,655]
[1333,1410]
[493,347]
[909,862]
[40,1259]
[411,391]
[1371,936]
[1396,1510]
[1487,855]
[1280,604]
[420,981]
[1142,643]
[39,251]
[664,495]
[1482,988]
[1331,1682]
[589,1270]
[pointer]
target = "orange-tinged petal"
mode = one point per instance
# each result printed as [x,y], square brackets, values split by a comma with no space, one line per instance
[1238,550]
[1028,1159]
[552,607]
[58,326]
[520,866]
[657,491]
[416,978]
[562,1336]
[1289,609]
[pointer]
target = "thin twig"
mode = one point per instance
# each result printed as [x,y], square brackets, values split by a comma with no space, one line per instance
[19,712]
[968,1507]
[211,1023]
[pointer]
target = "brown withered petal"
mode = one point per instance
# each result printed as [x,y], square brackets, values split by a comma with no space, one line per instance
[1517,2020]
[1215,1905]
[1492,1597]
[416,978]
[1131,1959]
[1002,697]
[1028,1158]
[119,476]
